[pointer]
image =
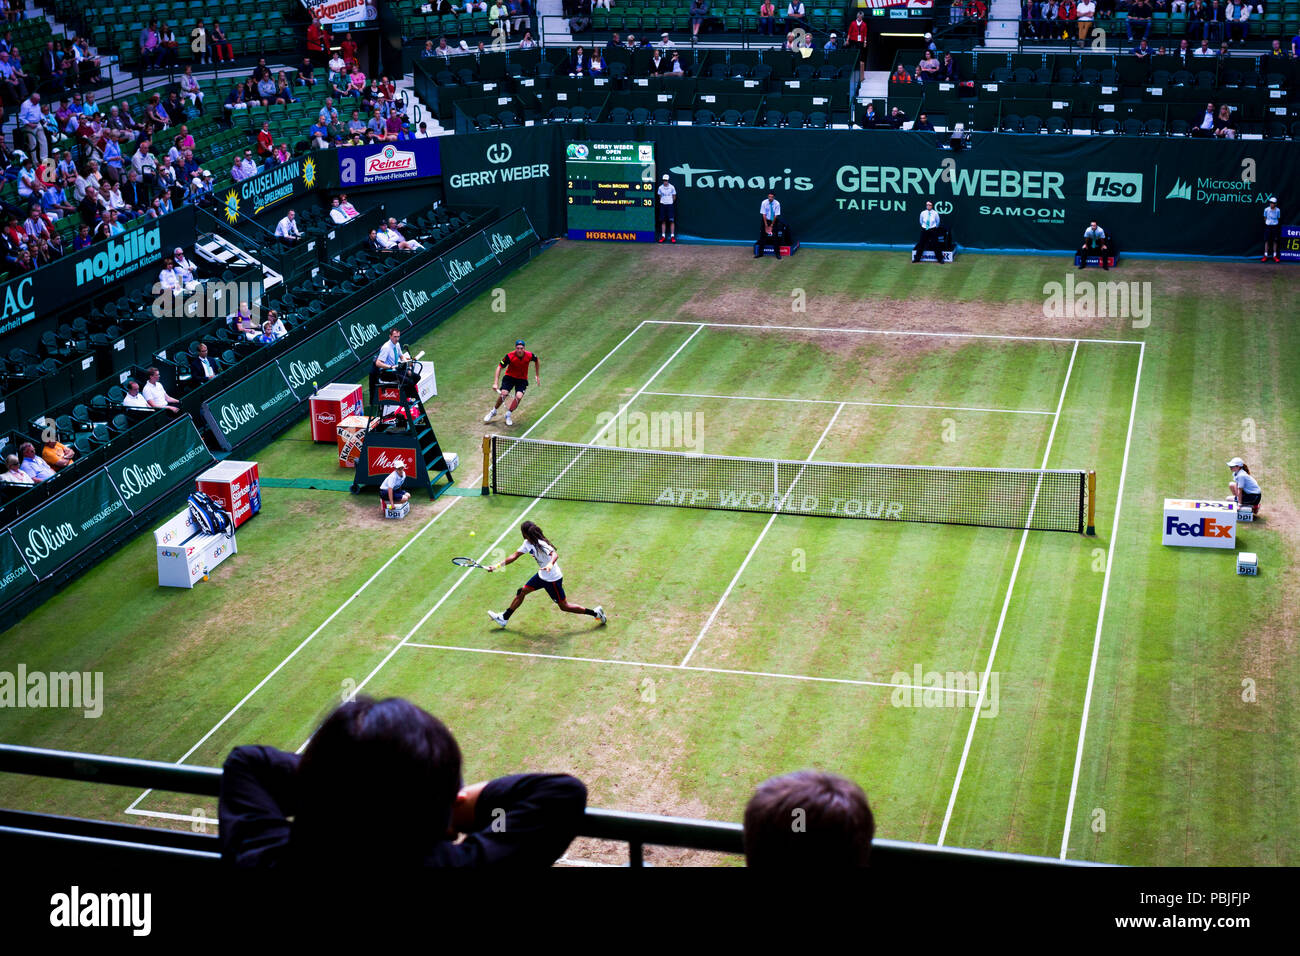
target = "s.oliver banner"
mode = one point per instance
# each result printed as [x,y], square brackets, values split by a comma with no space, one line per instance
[1033,192]
[469,260]
[420,293]
[366,328]
[79,274]
[15,575]
[512,236]
[314,363]
[243,409]
[388,162]
[76,519]
[341,11]
[509,168]
[159,464]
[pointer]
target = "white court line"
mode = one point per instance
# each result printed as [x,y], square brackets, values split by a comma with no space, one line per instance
[761,535]
[342,607]
[512,528]
[1101,612]
[187,817]
[1006,603]
[829,401]
[688,667]
[938,335]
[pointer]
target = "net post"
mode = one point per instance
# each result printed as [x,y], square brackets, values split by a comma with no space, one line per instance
[1092,504]
[487,462]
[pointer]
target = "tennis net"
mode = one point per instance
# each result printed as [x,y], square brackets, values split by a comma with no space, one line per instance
[1040,500]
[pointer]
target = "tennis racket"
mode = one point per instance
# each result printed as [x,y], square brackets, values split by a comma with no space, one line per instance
[469,563]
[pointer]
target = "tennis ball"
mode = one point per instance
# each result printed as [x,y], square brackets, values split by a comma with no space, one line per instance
[471,534]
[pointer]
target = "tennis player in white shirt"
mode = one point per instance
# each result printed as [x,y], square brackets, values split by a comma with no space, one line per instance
[549,577]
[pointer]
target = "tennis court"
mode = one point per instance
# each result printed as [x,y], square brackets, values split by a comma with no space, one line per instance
[740,644]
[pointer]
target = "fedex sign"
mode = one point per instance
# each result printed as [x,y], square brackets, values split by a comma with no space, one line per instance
[1199,524]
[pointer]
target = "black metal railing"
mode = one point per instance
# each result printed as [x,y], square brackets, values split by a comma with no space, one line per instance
[129,841]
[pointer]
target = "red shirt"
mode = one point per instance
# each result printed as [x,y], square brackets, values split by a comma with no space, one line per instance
[314,34]
[265,142]
[858,32]
[348,50]
[515,366]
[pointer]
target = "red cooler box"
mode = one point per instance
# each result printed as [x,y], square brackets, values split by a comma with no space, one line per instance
[329,406]
[234,486]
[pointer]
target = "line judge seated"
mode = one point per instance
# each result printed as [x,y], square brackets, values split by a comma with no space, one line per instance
[769,233]
[390,492]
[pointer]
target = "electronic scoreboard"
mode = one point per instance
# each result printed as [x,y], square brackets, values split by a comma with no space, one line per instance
[610,191]
[1290,251]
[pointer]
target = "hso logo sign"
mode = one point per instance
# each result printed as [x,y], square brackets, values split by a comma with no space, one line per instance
[499,153]
[1114,187]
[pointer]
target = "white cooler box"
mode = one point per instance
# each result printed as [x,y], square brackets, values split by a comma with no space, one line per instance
[185,553]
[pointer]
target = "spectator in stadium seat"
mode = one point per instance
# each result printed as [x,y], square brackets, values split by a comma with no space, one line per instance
[519,17]
[36,468]
[134,399]
[1225,125]
[796,16]
[923,124]
[927,69]
[578,62]
[286,230]
[82,239]
[13,472]
[598,67]
[219,45]
[900,75]
[203,368]
[145,163]
[699,10]
[381,782]
[1203,51]
[54,67]
[267,335]
[156,395]
[1139,19]
[348,209]
[808,820]
[247,164]
[167,47]
[1085,11]
[1142,51]
[1196,14]
[389,237]
[56,454]
[767,18]
[149,45]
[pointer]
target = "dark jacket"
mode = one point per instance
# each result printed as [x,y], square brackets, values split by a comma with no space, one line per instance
[259,792]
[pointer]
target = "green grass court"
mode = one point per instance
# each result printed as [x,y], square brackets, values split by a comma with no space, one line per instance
[744,645]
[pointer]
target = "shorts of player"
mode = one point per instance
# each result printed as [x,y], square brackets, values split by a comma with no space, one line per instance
[554,588]
[1273,233]
[511,384]
[668,213]
[1251,499]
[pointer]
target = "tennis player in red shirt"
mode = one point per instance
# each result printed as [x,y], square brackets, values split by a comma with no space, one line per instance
[515,380]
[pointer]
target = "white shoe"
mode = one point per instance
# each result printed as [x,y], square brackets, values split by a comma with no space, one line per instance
[492,413]
[509,420]
[500,619]
[600,613]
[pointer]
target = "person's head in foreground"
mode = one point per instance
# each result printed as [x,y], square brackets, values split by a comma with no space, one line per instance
[377,781]
[808,819]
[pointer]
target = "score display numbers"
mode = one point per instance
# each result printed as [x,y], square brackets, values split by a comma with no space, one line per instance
[610,191]
[1289,250]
